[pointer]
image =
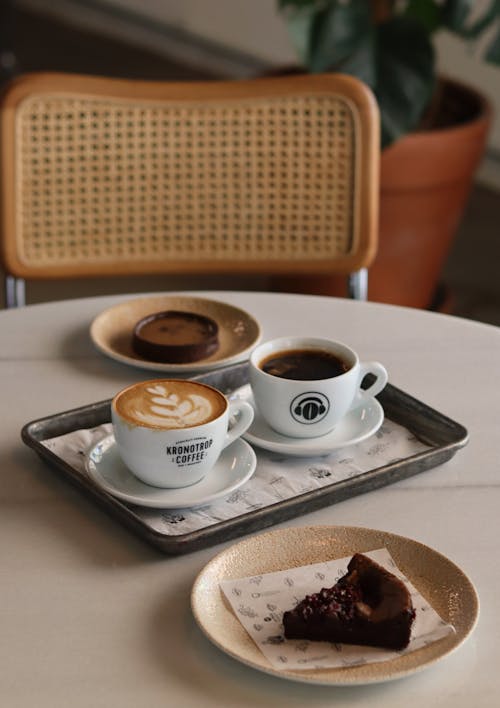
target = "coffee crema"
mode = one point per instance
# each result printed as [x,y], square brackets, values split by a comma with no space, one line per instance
[170,404]
[304,364]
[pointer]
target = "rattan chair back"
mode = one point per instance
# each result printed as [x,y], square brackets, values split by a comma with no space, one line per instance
[109,177]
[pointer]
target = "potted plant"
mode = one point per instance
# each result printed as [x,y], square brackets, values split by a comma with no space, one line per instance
[433,132]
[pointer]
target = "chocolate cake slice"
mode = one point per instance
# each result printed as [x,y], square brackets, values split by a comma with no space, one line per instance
[367,606]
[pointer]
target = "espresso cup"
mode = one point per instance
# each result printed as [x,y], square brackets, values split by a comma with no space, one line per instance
[303,386]
[170,432]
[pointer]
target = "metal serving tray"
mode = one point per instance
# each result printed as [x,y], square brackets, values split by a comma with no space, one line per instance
[442,435]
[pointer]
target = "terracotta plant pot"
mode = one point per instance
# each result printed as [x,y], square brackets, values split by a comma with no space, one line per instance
[425,181]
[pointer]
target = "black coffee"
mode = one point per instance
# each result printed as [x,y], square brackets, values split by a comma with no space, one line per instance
[304,365]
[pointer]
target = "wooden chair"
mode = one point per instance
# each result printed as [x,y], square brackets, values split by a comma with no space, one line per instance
[109,177]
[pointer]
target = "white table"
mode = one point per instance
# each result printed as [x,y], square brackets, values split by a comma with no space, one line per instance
[92,616]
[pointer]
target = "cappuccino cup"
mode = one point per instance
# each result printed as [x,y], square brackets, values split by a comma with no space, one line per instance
[170,432]
[303,386]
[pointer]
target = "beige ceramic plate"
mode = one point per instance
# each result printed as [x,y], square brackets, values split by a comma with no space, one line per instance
[443,584]
[111,331]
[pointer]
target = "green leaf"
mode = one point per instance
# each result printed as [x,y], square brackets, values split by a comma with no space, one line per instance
[300,26]
[395,58]
[300,16]
[427,12]
[455,14]
[491,17]
[405,76]
[458,19]
[493,52]
[361,63]
[337,32]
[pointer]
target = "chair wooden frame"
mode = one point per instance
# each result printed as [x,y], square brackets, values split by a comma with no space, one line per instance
[110,177]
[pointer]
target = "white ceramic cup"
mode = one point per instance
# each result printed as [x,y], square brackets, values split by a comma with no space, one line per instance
[309,408]
[170,432]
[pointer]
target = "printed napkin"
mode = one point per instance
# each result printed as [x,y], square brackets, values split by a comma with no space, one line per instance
[277,478]
[260,601]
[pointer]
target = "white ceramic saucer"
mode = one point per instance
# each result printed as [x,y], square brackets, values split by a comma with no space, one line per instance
[357,425]
[233,468]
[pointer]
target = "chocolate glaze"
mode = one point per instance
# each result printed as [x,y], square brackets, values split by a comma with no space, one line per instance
[175,337]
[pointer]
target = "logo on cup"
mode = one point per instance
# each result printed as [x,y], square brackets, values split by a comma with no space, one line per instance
[309,407]
[189,452]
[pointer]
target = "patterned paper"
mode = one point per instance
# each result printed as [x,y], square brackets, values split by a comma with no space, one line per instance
[260,601]
[276,478]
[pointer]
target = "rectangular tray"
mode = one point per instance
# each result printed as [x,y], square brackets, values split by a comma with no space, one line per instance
[443,436]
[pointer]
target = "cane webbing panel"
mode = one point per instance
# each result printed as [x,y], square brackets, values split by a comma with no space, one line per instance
[104,180]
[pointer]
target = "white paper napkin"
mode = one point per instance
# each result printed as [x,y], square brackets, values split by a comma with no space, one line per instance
[276,478]
[260,601]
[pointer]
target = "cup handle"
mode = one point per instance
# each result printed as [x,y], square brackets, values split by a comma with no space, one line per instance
[379,371]
[242,413]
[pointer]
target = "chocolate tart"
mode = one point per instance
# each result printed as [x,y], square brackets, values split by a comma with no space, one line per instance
[367,606]
[175,336]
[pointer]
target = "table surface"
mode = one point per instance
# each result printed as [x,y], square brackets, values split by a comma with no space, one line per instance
[92,616]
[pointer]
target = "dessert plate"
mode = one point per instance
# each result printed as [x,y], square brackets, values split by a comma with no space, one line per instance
[357,425]
[111,331]
[233,468]
[437,578]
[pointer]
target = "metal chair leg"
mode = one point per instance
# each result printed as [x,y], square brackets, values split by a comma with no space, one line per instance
[358,284]
[15,291]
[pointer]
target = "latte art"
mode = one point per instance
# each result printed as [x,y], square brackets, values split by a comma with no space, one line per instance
[170,404]
[173,411]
